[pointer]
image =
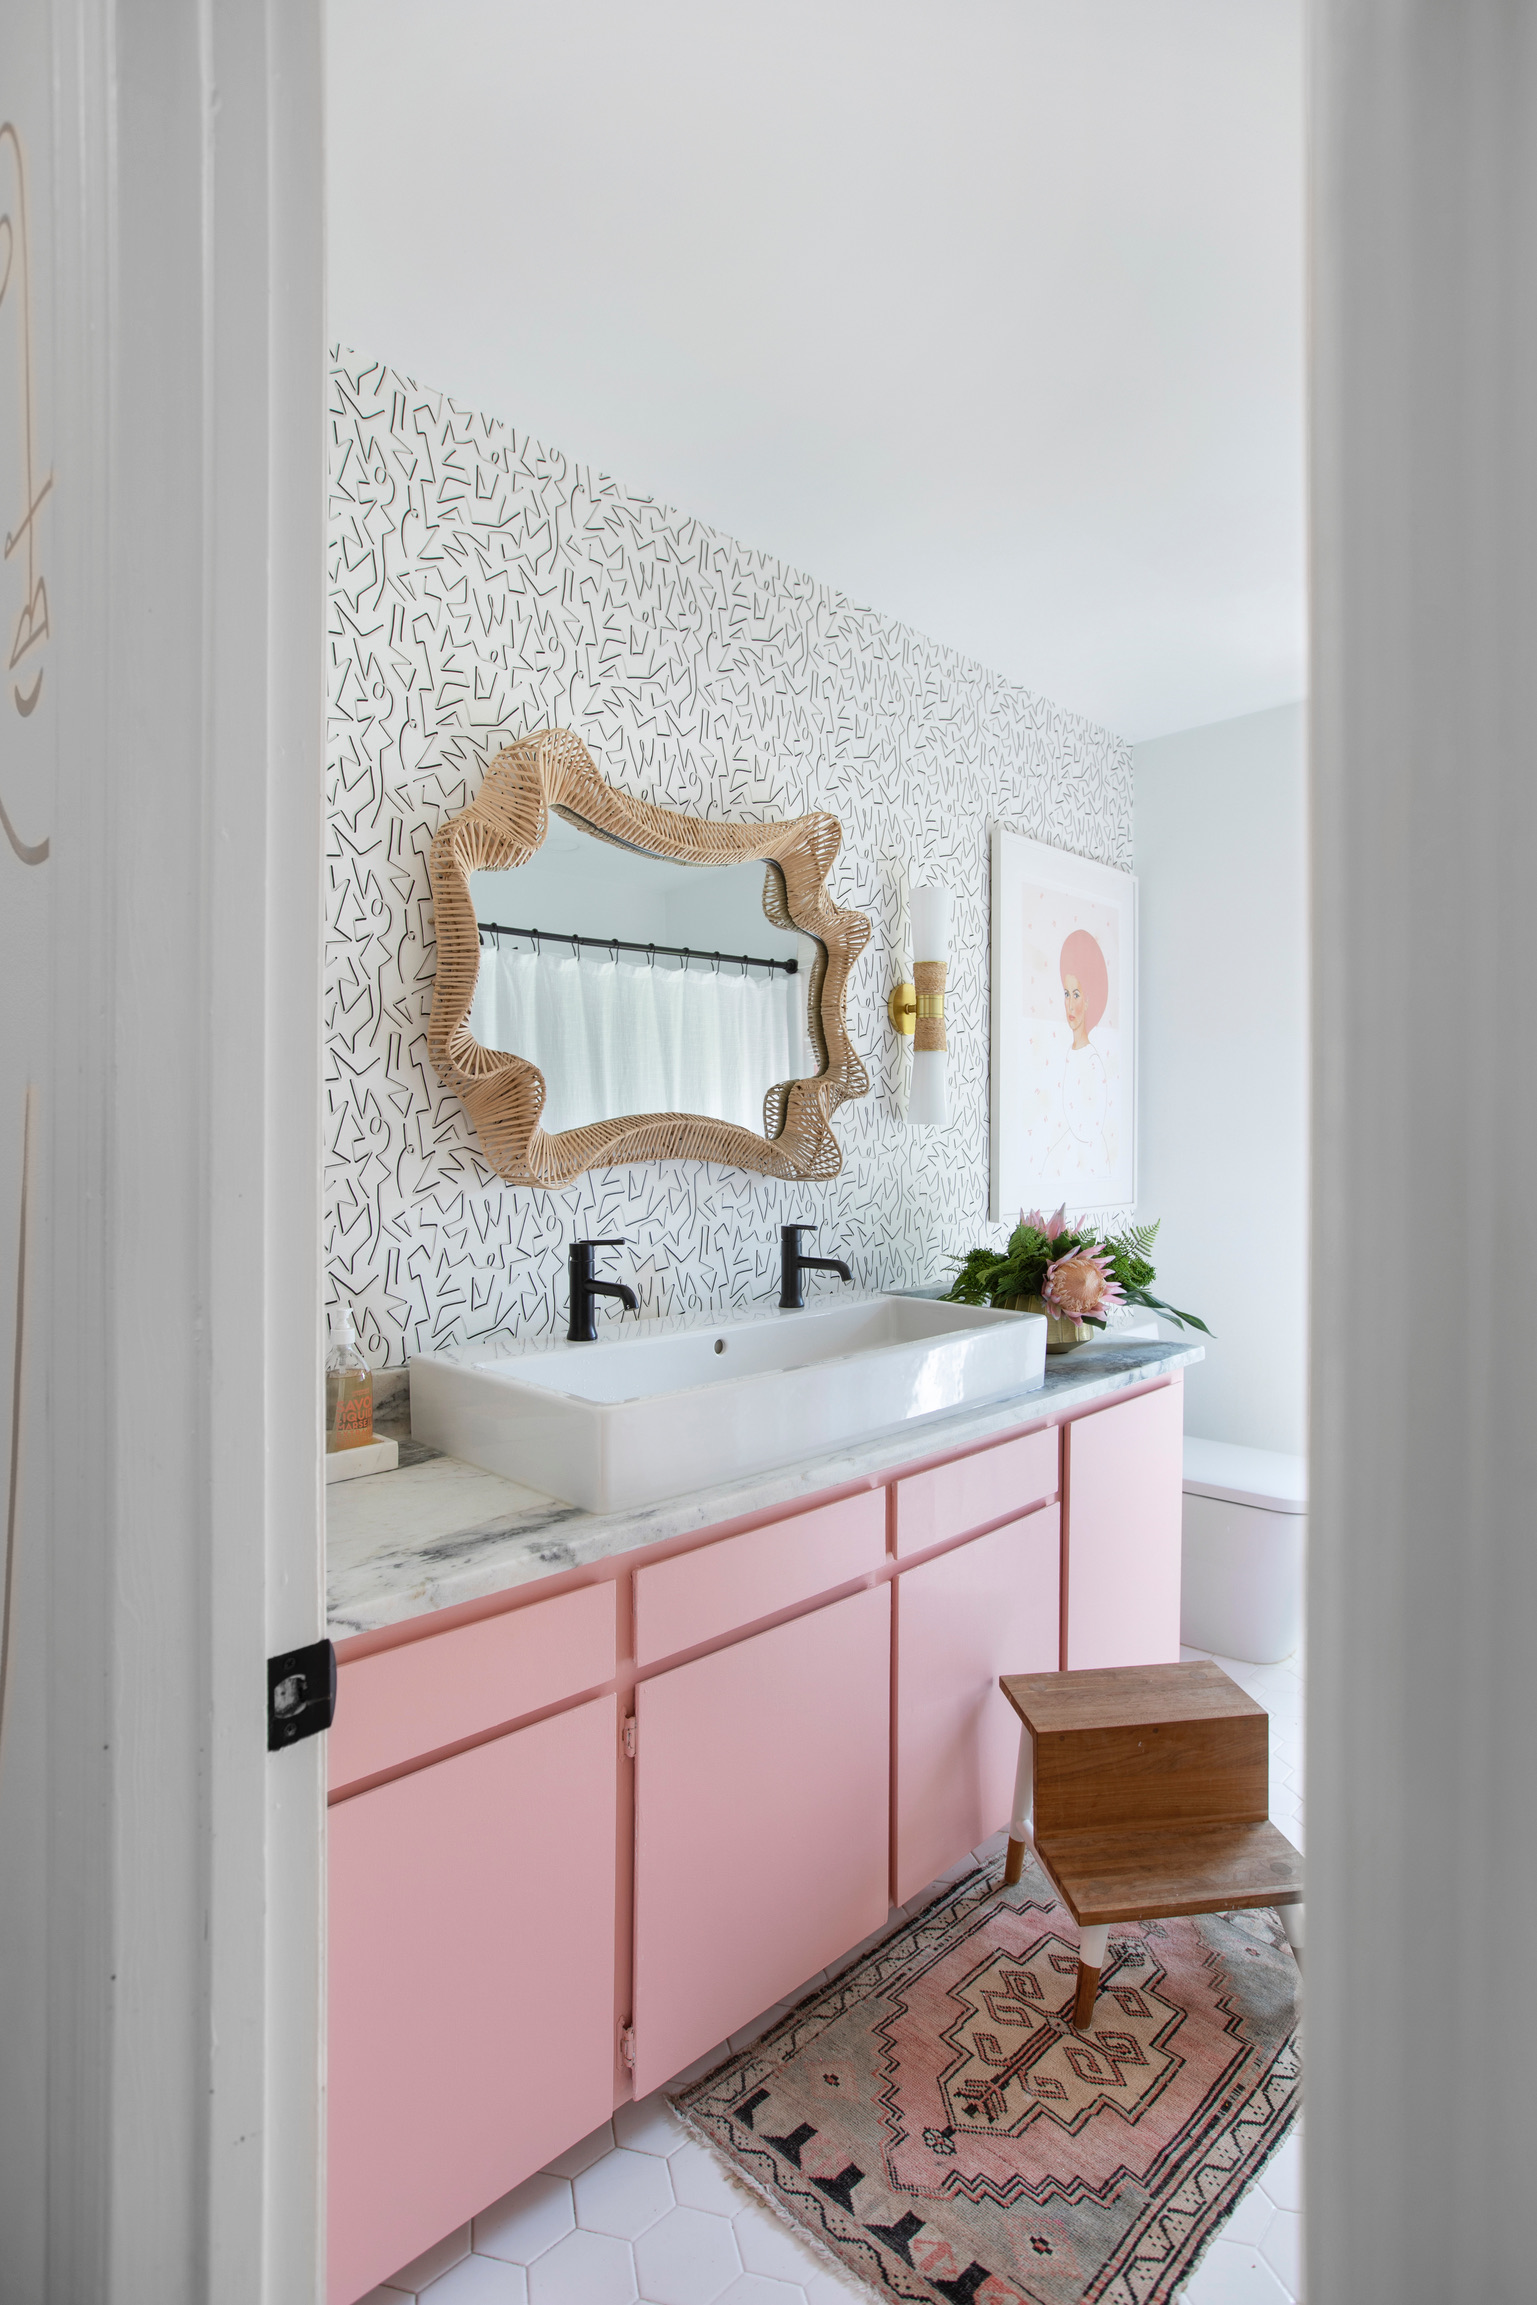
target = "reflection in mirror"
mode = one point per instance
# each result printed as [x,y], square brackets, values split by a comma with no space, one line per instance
[640,985]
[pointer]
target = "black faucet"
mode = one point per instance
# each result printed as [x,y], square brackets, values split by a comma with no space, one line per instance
[584,1288]
[792,1264]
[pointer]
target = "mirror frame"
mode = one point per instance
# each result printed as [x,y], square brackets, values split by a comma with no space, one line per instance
[504,1094]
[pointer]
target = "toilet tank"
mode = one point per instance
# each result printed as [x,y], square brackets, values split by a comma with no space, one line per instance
[1245,1538]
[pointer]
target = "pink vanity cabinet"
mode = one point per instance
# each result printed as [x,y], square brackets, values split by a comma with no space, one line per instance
[761,1831]
[959,1619]
[471,1923]
[1122,1480]
[962,1608]
[584,1831]
[761,1772]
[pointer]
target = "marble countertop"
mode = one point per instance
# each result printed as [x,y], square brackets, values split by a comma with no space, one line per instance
[440,1532]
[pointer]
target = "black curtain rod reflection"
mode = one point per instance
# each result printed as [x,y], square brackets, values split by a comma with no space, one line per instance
[614,945]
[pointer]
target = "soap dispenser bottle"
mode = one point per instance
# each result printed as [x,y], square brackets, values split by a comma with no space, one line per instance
[349,1387]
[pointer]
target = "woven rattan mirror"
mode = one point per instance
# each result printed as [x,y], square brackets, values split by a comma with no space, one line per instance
[505,1093]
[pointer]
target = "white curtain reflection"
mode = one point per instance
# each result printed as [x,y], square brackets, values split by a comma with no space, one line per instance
[612,1038]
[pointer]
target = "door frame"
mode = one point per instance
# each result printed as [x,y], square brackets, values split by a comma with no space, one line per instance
[169,1535]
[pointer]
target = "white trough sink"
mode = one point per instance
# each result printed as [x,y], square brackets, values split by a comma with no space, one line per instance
[658,1408]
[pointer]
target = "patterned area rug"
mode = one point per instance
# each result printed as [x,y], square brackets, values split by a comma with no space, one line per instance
[933,2121]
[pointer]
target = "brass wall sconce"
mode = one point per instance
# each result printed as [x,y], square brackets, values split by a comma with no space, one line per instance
[917,1010]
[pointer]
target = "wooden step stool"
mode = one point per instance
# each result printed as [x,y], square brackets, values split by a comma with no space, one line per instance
[1146,1792]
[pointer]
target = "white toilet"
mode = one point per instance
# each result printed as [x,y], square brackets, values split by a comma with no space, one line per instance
[1245,1536]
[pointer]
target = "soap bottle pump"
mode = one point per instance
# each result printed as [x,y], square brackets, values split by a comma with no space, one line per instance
[349,1386]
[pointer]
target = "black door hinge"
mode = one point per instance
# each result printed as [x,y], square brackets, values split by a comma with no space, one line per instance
[301,1694]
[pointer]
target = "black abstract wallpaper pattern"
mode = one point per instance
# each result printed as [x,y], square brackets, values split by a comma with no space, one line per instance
[482,585]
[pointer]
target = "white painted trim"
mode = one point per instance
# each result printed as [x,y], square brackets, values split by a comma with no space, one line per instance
[292,2241]
[1422,1735]
[179,1324]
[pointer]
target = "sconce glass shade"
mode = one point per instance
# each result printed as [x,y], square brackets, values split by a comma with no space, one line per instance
[929,914]
[928,1099]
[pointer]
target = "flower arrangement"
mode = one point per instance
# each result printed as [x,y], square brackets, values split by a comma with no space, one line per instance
[1072,1273]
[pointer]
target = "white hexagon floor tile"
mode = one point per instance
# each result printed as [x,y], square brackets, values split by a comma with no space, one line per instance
[701,2180]
[649,2126]
[831,2289]
[1233,2273]
[1282,2249]
[527,2221]
[687,2259]
[623,2194]
[432,2262]
[595,2268]
[1281,2177]
[582,2156]
[767,2246]
[757,2289]
[478,2281]
[1251,2219]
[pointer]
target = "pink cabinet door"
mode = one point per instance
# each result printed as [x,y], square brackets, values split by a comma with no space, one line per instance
[988,1608]
[1122,1552]
[471,1984]
[762,1798]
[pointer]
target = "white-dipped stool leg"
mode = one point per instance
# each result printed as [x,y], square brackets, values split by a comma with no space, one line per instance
[1023,1817]
[1291,1922]
[1092,1946]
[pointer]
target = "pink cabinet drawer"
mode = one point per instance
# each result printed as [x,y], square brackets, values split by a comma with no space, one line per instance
[400,1703]
[696,1597]
[992,1485]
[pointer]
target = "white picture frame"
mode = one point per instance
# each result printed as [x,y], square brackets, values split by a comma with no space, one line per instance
[1063,1093]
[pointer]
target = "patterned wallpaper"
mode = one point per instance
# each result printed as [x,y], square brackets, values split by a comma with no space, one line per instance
[482,585]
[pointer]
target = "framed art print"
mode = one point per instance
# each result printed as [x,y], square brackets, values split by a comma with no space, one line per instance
[1064,1014]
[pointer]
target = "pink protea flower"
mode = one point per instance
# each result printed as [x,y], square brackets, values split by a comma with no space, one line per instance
[1079,1287]
[1049,1227]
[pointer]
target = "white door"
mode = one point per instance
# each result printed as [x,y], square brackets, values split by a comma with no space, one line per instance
[161,509]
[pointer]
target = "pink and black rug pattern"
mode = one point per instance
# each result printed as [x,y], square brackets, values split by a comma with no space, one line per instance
[934,2122]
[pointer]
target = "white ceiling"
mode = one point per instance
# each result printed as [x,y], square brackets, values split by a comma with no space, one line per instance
[989,312]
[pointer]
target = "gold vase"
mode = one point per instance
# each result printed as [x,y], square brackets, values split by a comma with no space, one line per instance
[1062,1336]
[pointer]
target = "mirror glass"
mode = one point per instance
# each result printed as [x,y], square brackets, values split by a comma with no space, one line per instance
[639,985]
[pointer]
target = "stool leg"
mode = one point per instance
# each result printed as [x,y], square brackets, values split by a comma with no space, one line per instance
[1291,1922]
[1024,1809]
[1092,1944]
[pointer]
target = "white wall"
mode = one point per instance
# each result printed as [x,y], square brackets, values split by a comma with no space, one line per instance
[1220,836]
[712,226]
